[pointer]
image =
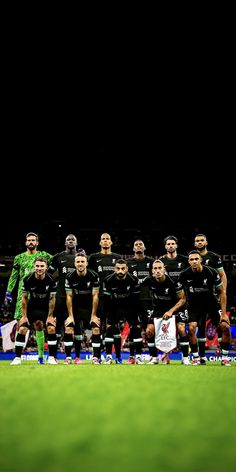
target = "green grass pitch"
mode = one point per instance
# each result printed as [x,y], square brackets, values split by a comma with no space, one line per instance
[132,418]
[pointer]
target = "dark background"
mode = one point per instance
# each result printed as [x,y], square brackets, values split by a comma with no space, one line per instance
[129,190]
[121,156]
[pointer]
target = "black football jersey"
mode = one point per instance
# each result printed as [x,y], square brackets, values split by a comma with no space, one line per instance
[39,291]
[82,288]
[200,286]
[64,263]
[103,264]
[174,266]
[163,294]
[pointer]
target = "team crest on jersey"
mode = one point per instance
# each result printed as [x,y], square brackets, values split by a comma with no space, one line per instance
[207,261]
[179,265]
[166,291]
[205,282]
[88,284]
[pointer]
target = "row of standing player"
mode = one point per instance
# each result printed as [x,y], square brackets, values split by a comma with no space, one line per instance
[103,264]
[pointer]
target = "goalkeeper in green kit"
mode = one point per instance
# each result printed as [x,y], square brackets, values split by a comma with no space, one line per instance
[23,264]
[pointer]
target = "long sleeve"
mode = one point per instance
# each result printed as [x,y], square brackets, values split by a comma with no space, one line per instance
[14,275]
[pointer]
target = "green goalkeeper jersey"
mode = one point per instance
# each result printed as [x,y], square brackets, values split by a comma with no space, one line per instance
[23,264]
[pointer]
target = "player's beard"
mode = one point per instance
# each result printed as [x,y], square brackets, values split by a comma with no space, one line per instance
[31,247]
[202,248]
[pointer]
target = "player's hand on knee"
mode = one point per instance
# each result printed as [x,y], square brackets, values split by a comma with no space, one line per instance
[69,322]
[23,321]
[51,321]
[95,320]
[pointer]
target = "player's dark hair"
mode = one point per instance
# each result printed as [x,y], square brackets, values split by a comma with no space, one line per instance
[194,251]
[32,234]
[200,234]
[121,261]
[170,237]
[81,253]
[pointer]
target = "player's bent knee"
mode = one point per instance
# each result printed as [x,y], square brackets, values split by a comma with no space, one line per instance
[224,326]
[150,331]
[181,329]
[23,330]
[38,325]
[69,330]
[51,329]
[96,330]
